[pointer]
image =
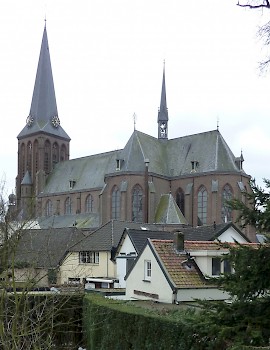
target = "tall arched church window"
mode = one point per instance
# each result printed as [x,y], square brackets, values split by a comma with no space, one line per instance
[137,204]
[180,200]
[226,212]
[115,207]
[47,157]
[55,154]
[68,206]
[89,204]
[29,157]
[35,156]
[22,160]
[49,208]
[63,153]
[202,206]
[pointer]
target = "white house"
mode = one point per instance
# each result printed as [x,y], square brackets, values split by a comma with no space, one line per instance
[168,272]
[133,240]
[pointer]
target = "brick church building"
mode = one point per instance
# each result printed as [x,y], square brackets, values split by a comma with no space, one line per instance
[186,180]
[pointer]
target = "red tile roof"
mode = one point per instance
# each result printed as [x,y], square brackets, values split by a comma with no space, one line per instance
[182,272]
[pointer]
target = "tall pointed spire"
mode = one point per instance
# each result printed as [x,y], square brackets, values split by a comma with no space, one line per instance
[163,111]
[43,116]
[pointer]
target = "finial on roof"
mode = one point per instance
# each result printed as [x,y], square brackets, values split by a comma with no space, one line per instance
[217,123]
[134,120]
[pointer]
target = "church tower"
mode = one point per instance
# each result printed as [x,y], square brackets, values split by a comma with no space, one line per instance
[42,142]
[163,112]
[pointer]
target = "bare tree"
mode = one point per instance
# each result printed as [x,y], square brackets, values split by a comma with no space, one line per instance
[30,318]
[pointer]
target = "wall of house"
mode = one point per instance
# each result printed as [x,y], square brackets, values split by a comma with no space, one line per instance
[127,248]
[157,289]
[203,259]
[231,235]
[201,293]
[72,268]
[40,276]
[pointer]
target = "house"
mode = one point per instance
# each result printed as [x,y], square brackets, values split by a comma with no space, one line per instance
[38,253]
[199,171]
[133,240]
[173,271]
[90,259]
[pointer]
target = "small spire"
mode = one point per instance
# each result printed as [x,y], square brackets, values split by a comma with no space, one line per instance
[217,123]
[163,111]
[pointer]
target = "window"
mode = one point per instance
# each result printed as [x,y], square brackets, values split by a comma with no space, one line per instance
[147,270]
[47,154]
[137,206]
[115,203]
[89,204]
[216,266]
[227,266]
[68,206]
[220,266]
[180,200]
[49,208]
[202,206]
[74,280]
[87,257]
[55,157]
[226,212]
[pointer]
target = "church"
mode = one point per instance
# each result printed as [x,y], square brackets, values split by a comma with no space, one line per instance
[185,180]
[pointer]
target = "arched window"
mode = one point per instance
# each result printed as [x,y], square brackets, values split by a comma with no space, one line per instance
[180,200]
[48,208]
[55,154]
[35,157]
[137,204]
[63,153]
[202,206]
[47,157]
[22,160]
[89,204]
[29,157]
[226,212]
[68,206]
[115,203]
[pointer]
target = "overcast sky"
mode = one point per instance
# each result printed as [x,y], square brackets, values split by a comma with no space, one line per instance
[107,60]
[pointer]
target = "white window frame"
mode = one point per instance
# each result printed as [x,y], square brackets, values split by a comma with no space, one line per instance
[89,257]
[147,270]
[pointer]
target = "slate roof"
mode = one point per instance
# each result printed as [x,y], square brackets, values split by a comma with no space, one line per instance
[83,221]
[45,248]
[170,159]
[138,237]
[107,236]
[209,232]
[43,106]
[168,212]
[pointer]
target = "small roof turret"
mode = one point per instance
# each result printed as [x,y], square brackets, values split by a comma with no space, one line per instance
[163,112]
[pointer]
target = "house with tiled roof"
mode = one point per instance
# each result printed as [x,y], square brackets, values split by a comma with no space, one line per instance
[173,271]
[151,179]
[133,240]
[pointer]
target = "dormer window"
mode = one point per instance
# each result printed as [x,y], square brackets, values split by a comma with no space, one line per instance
[194,165]
[119,163]
[71,184]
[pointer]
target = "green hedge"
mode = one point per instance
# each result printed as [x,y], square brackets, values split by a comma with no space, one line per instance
[117,325]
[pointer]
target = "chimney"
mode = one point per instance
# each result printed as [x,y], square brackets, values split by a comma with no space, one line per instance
[179,241]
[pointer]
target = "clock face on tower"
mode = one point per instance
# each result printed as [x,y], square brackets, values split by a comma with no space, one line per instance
[55,121]
[29,121]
